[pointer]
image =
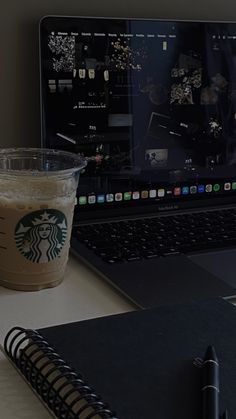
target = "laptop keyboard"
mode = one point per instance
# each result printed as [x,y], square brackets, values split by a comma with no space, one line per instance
[147,238]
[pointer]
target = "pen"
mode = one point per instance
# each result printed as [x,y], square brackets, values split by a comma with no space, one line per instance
[210,388]
[225,415]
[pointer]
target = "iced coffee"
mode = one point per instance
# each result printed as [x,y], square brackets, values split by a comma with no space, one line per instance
[36,212]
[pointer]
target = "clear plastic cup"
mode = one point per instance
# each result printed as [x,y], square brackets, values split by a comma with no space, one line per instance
[37,198]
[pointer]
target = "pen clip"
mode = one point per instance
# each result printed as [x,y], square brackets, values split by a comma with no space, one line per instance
[198,362]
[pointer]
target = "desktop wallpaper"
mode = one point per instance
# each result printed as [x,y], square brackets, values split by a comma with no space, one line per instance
[150,104]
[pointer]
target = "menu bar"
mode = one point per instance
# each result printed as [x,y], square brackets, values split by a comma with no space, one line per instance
[115,35]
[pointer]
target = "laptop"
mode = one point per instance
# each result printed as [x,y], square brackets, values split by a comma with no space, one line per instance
[151,104]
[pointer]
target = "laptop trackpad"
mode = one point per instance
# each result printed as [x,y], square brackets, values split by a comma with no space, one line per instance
[221,264]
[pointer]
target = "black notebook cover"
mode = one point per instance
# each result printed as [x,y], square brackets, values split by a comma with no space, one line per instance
[142,362]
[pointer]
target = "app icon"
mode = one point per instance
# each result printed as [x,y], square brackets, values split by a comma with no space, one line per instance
[118,196]
[193,189]
[169,191]
[91,199]
[177,191]
[152,193]
[161,193]
[127,196]
[110,197]
[234,185]
[82,200]
[227,186]
[136,195]
[216,187]
[201,188]
[185,190]
[164,45]
[100,199]
[144,194]
[209,188]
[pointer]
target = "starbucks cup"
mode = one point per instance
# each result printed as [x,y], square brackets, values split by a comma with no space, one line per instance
[37,198]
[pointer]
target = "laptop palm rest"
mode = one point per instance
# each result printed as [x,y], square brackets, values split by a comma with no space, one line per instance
[222,264]
[166,280]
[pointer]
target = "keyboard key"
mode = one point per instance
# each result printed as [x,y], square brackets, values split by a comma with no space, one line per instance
[160,236]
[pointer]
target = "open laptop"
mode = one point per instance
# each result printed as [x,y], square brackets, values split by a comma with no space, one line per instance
[152,106]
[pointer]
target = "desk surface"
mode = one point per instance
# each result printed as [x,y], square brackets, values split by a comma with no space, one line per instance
[82,295]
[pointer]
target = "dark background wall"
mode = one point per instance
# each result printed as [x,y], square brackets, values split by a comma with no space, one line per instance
[19,98]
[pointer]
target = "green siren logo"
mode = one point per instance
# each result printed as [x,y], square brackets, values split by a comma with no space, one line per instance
[40,235]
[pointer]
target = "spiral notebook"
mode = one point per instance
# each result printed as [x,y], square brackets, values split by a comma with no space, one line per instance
[135,365]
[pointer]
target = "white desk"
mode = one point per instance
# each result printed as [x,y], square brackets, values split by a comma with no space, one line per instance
[82,295]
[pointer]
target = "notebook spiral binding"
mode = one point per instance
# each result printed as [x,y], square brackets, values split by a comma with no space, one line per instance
[59,387]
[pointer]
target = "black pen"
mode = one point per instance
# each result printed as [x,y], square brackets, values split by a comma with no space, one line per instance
[225,415]
[210,388]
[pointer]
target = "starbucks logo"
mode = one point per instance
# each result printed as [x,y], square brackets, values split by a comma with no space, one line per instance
[40,235]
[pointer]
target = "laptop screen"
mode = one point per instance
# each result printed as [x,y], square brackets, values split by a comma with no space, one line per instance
[151,104]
